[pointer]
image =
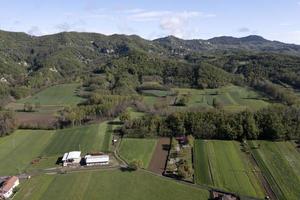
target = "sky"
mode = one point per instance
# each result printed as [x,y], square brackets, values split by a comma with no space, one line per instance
[187,19]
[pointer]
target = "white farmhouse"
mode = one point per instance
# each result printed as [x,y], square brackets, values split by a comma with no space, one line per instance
[92,160]
[7,187]
[71,158]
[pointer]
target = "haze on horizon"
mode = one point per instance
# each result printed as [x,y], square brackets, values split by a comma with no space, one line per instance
[190,19]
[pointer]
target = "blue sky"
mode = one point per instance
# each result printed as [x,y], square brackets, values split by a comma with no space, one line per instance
[275,20]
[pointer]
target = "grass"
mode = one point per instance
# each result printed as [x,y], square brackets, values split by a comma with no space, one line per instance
[84,138]
[280,163]
[135,114]
[139,149]
[223,165]
[20,148]
[157,93]
[113,185]
[150,100]
[233,98]
[23,146]
[64,94]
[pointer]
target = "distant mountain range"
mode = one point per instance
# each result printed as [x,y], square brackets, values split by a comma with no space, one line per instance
[249,43]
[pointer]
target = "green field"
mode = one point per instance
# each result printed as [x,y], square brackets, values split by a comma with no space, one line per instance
[150,100]
[280,163]
[64,94]
[223,165]
[139,149]
[157,93]
[135,114]
[231,97]
[21,147]
[112,184]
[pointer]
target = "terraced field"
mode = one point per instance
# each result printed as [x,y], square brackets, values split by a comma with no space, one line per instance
[20,148]
[223,165]
[111,184]
[138,149]
[280,163]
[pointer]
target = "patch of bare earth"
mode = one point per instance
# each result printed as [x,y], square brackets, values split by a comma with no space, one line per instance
[35,119]
[160,155]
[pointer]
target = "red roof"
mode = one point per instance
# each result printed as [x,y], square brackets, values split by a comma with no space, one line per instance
[9,183]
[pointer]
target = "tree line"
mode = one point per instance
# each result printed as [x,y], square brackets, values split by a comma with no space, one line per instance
[272,123]
[7,122]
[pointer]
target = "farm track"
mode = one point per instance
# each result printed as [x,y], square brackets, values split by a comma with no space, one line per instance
[262,178]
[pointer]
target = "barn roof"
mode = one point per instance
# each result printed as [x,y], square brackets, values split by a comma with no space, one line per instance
[9,183]
[96,159]
[71,155]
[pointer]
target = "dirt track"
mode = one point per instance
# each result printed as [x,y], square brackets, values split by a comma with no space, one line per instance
[159,158]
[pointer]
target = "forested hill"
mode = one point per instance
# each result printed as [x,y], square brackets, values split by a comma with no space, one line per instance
[28,63]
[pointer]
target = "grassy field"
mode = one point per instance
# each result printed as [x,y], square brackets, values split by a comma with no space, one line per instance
[223,165]
[157,93]
[23,146]
[135,114]
[18,149]
[150,100]
[113,185]
[139,149]
[280,162]
[64,94]
[231,97]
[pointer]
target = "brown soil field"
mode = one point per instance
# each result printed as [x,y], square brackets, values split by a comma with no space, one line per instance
[160,155]
[35,119]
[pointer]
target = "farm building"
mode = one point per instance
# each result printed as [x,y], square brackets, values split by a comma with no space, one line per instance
[71,158]
[92,160]
[7,187]
[218,195]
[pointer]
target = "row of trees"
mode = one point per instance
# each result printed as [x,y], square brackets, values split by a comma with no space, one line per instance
[278,122]
[276,92]
[7,122]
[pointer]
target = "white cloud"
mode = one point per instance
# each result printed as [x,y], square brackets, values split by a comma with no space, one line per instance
[171,22]
[177,23]
[63,27]
[75,26]
[287,37]
[142,15]
[148,15]
[34,30]
[292,37]
[244,30]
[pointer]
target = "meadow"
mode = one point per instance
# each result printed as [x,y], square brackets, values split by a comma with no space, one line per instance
[137,149]
[63,94]
[221,164]
[280,163]
[20,148]
[110,184]
[232,98]
[157,93]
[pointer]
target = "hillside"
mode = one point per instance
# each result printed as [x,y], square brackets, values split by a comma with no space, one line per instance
[29,63]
